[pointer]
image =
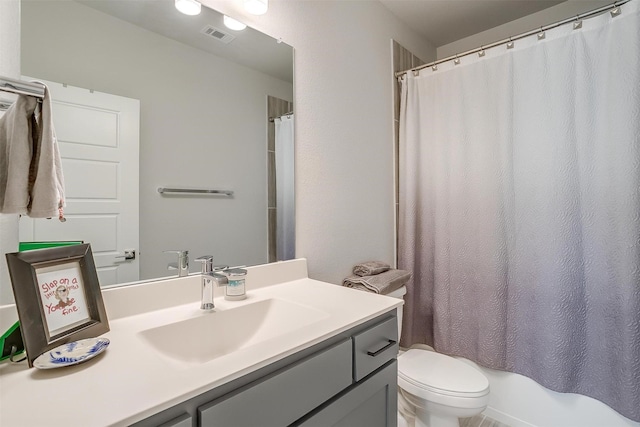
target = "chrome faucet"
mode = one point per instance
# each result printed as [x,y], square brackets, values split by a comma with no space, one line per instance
[182,265]
[209,278]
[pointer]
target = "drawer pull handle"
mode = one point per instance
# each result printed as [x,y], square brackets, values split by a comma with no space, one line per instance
[377,352]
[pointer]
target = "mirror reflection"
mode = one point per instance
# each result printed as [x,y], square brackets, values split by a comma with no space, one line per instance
[147,98]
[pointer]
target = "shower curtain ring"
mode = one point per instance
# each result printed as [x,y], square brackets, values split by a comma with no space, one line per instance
[510,44]
[616,10]
[481,53]
[541,34]
[578,24]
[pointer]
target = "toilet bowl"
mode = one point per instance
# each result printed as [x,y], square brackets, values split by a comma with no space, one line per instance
[434,389]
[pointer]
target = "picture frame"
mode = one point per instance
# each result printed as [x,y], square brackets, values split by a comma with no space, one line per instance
[58,297]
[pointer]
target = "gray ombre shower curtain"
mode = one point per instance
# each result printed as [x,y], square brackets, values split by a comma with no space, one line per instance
[520,208]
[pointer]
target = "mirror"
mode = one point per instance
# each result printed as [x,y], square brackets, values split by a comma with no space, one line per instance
[205,94]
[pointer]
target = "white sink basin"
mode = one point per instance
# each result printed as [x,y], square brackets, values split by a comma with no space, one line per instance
[218,333]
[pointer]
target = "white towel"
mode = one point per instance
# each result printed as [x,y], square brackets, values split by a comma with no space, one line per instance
[16,150]
[31,180]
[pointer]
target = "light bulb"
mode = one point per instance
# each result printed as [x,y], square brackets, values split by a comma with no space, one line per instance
[188,7]
[232,24]
[256,7]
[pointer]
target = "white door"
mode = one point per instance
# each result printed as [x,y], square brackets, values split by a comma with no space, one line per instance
[98,135]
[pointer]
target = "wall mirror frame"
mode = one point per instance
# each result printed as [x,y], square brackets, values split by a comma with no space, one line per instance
[204,109]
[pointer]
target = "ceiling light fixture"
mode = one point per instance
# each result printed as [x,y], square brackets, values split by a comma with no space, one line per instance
[232,24]
[256,7]
[188,7]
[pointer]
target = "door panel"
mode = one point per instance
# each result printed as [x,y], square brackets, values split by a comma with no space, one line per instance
[98,136]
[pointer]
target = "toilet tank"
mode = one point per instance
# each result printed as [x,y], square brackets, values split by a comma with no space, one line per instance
[399,293]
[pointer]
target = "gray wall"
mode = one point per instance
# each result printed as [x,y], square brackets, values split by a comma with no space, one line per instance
[203,124]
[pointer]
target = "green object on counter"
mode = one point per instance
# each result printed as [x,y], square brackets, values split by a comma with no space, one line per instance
[28,246]
[11,338]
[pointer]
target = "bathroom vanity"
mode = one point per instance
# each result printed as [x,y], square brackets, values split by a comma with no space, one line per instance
[296,352]
[334,383]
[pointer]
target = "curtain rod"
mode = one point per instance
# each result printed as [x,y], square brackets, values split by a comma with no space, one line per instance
[271,119]
[613,8]
[21,88]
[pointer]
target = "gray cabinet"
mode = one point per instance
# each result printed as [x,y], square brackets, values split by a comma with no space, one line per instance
[369,403]
[347,380]
[184,420]
[281,399]
[374,346]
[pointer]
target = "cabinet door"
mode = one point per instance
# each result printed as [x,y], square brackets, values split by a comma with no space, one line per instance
[283,397]
[371,403]
[183,421]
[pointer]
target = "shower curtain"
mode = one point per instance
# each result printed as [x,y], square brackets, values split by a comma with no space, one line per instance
[285,198]
[520,208]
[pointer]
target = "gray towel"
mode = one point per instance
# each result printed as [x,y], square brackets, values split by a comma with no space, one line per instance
[16,150]
[370,268]
[47,186]
[383,283]
[31,180]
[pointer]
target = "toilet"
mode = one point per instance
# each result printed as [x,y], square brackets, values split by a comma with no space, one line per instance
[434,390]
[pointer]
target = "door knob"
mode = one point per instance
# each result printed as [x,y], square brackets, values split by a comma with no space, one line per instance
[129,254]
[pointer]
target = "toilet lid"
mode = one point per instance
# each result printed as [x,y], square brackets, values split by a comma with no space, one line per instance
[441,374]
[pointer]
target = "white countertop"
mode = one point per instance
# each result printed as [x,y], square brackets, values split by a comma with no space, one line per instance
[131,381]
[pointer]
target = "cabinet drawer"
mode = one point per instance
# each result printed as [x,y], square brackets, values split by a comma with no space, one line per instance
[286,395]
[374,347]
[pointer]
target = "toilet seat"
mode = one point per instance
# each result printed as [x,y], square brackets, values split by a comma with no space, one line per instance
[430,375]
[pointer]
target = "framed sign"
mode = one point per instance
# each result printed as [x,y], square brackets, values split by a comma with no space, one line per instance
[58,297]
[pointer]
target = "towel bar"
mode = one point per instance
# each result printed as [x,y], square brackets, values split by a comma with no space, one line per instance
[164,190]
[21,88]
[5,104]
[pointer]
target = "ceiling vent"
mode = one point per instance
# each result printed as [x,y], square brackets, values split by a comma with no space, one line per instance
[217,34]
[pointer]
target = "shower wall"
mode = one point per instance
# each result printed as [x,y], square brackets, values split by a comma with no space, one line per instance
[276,107]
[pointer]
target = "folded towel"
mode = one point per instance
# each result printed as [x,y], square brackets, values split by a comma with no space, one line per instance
[383,283]
[370,268]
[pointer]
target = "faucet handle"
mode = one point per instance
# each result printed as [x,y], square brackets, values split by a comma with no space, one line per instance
[207,263]
[180,253]
[183,262]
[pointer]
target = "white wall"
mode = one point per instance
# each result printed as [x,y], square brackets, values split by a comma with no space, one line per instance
[203,124]
[344,125]
[9,67]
